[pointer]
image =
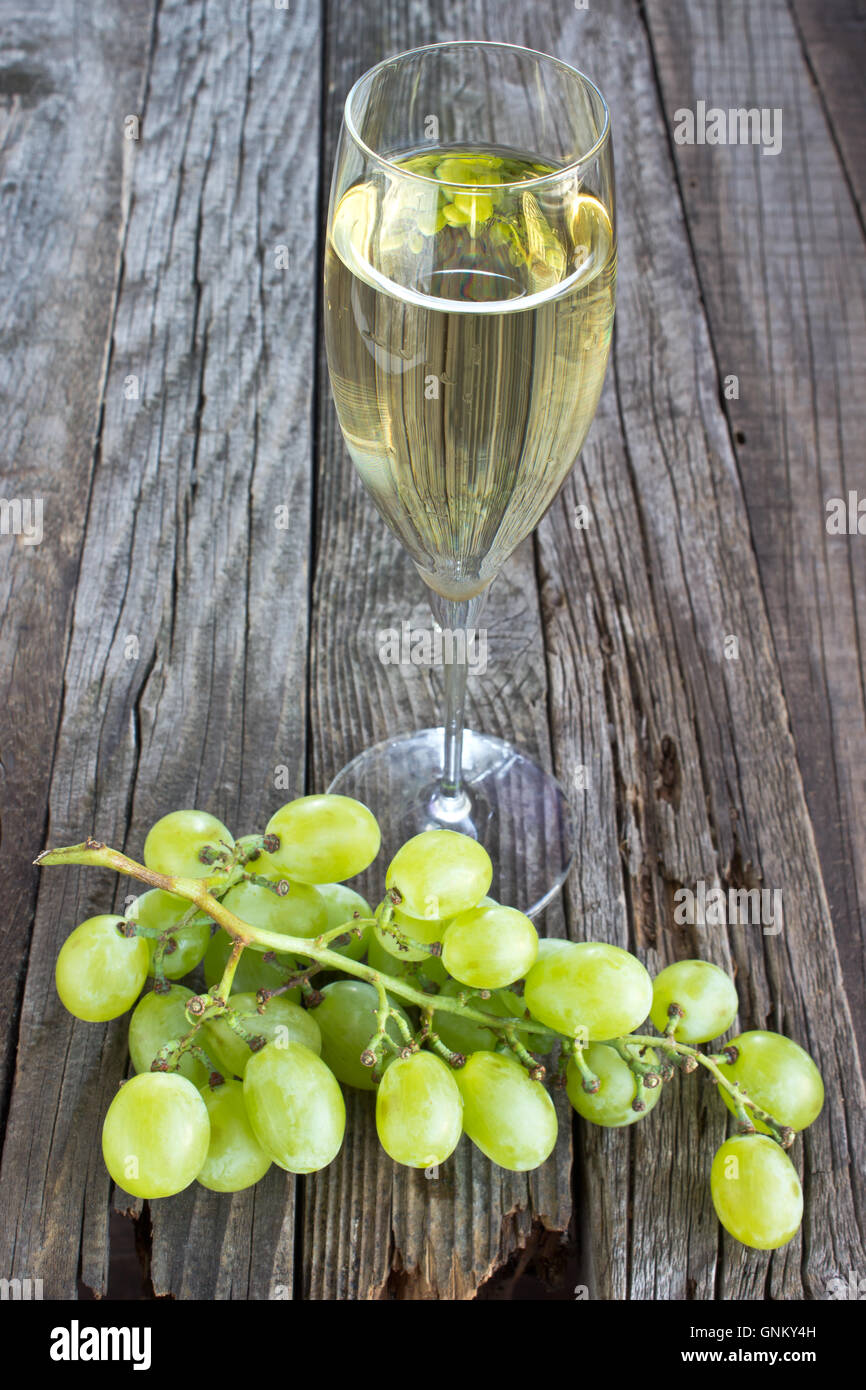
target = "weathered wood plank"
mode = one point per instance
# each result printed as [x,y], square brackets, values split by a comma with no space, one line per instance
[834,43]
[705,776]
[784,281]
[372,1230]
[185,681]
[60,123]
[689,769]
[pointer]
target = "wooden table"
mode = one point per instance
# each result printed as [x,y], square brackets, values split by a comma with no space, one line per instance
[167,644]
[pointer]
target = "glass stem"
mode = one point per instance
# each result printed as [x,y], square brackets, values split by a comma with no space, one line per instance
[455,714]
[456,621]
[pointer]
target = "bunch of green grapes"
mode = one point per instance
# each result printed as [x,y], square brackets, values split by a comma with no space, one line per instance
[208,1109]
[769,1082]
[442,1002]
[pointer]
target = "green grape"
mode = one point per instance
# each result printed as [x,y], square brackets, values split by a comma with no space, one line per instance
[551,946]
[347,1019]
[418,929]
[439,873]
[706,994]
[302,912]
[235,1158]
[253,973]
[461,1034]
[100,973]
[515,1005]
[417,973]
[159,911]
[324,839]
[282,1021]
[158,1019]
[173,844]
[756,1192]
[778,1075]
[340,903]
[419,1111]
[589,989]
[295,1106]
[156,1135]
[510,1118]
[306,913]
[611,1104]
[488,947]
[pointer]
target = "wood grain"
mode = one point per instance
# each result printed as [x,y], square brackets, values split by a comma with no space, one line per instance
[666,571]
[60,133]
[833,38]
[175,647]
[784,282]
[372,1230]
[182,555]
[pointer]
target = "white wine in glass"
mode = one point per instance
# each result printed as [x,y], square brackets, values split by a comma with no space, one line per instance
[469,297]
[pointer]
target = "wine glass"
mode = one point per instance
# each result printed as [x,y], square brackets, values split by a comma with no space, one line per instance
[470,271]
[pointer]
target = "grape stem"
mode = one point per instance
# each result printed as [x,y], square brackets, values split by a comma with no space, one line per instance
[589,1081]
[254,1041]
[384,921]
[405,1030]
[300,980]
[377,1043]
[404,942]
[427,1034]
[535,1068]
[646,1073]
[171,1053]
[742,1102]
[354,927]
[196,890]
[224,988]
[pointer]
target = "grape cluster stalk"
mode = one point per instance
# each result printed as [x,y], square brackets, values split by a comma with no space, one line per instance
[442,1001]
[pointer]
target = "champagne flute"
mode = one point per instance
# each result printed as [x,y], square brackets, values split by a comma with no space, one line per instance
[470,270]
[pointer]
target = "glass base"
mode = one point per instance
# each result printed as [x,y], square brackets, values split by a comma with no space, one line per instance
[511,805]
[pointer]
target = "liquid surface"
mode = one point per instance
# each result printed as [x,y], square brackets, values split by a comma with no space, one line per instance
[468,327]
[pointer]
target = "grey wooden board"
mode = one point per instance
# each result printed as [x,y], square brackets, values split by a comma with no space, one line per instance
[183,555]
[255,100]
[63,211]
[59,135]
[669,569]
[645,899]
[444,1236]
[833,38]
[780,263]
[605,645]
